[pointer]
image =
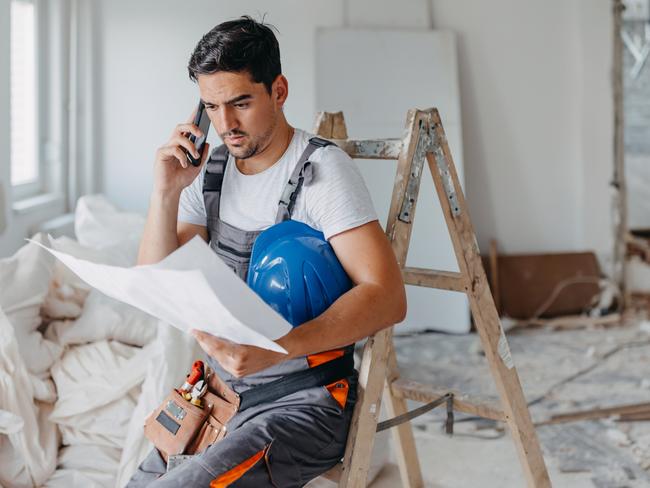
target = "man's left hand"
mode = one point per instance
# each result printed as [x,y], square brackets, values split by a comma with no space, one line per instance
[238,359]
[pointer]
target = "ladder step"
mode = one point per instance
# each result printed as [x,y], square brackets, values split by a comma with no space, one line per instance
[484,407]
[433,278]
[370,148]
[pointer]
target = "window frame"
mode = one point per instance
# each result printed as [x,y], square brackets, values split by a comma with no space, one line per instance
[39,186]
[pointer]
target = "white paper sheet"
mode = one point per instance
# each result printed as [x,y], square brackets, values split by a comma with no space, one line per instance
[192,288]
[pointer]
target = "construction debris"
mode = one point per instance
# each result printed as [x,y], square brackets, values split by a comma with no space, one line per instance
[597,376]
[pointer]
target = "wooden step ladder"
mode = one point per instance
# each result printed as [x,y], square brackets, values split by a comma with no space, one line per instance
[425,140]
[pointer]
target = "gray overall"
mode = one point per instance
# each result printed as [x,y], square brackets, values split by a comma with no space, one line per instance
[280,444]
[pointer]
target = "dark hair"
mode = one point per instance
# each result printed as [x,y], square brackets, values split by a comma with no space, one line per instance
[238,45]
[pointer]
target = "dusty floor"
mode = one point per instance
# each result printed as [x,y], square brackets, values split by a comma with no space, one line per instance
[611,367]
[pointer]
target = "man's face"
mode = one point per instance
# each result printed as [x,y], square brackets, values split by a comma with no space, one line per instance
[243,112]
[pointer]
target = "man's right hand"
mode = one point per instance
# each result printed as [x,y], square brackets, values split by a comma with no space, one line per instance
[172,170]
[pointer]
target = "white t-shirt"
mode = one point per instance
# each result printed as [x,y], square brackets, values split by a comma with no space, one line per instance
[336,200]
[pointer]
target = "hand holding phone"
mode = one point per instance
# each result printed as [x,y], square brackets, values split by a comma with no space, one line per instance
[201,120]
[186,146]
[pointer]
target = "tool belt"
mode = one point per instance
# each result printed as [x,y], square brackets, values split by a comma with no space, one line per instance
[180,427]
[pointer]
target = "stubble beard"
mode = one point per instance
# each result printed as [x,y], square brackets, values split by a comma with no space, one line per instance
[255,146]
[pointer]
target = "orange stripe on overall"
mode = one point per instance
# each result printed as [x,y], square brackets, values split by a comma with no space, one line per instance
[338,389]
[226,479]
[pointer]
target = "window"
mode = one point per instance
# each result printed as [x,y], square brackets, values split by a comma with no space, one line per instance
[26,174]
[51,85]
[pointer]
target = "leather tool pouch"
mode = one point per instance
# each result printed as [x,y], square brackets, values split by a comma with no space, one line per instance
[174,425]
[214,427]
[178,427]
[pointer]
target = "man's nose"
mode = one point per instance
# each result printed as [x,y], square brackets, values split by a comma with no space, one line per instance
[228,120]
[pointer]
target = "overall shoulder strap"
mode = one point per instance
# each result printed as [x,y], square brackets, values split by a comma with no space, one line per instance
[303,173]
[213,181]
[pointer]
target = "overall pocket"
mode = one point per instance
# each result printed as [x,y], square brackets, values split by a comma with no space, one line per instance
[238,262]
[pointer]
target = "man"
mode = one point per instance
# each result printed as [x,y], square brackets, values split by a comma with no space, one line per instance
[291,440]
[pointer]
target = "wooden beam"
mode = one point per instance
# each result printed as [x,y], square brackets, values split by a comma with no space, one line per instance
[632,410]
[399,231]
[323,124]
[361,436]
[399,234]
[634,417]
[404,450]
[330,125]
[573,321]
[432,278]
[494,275]
[339,130]
[484,407]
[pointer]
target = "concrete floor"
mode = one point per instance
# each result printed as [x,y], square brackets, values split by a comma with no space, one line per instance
[615,365]
[465,462]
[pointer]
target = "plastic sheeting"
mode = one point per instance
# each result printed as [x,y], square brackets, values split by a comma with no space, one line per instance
[29,445]
[98,224]
[24,281]
[95,384]
[105,318]
[98,380]
[171,359]
[87,466]
[91,429]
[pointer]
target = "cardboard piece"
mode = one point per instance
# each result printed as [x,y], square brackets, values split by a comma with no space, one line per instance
[526,281]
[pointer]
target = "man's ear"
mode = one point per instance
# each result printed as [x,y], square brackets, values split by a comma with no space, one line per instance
[280,90]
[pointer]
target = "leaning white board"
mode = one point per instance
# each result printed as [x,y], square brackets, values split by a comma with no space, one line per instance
[374,77]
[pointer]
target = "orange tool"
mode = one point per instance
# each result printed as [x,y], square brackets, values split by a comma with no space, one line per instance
[195,375]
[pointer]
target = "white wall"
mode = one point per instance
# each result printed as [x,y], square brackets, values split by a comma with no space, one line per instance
[596,121]
[145,47]
[536,107]
[535,96]
[361,54]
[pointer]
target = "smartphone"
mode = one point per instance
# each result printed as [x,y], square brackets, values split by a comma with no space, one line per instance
[203,122]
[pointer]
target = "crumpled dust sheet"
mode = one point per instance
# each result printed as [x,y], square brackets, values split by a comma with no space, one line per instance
[192,288]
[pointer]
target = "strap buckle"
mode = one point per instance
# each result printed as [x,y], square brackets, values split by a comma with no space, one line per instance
[320,142]
[288,192]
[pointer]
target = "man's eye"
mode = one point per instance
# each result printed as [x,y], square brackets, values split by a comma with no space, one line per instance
[241,105]
[210,107]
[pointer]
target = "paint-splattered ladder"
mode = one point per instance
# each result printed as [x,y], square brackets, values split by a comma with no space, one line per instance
[425,140]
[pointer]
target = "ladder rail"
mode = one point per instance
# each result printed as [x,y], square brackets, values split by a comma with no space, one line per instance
[425,142]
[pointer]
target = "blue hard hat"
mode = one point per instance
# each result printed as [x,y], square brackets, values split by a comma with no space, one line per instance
[295,270]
